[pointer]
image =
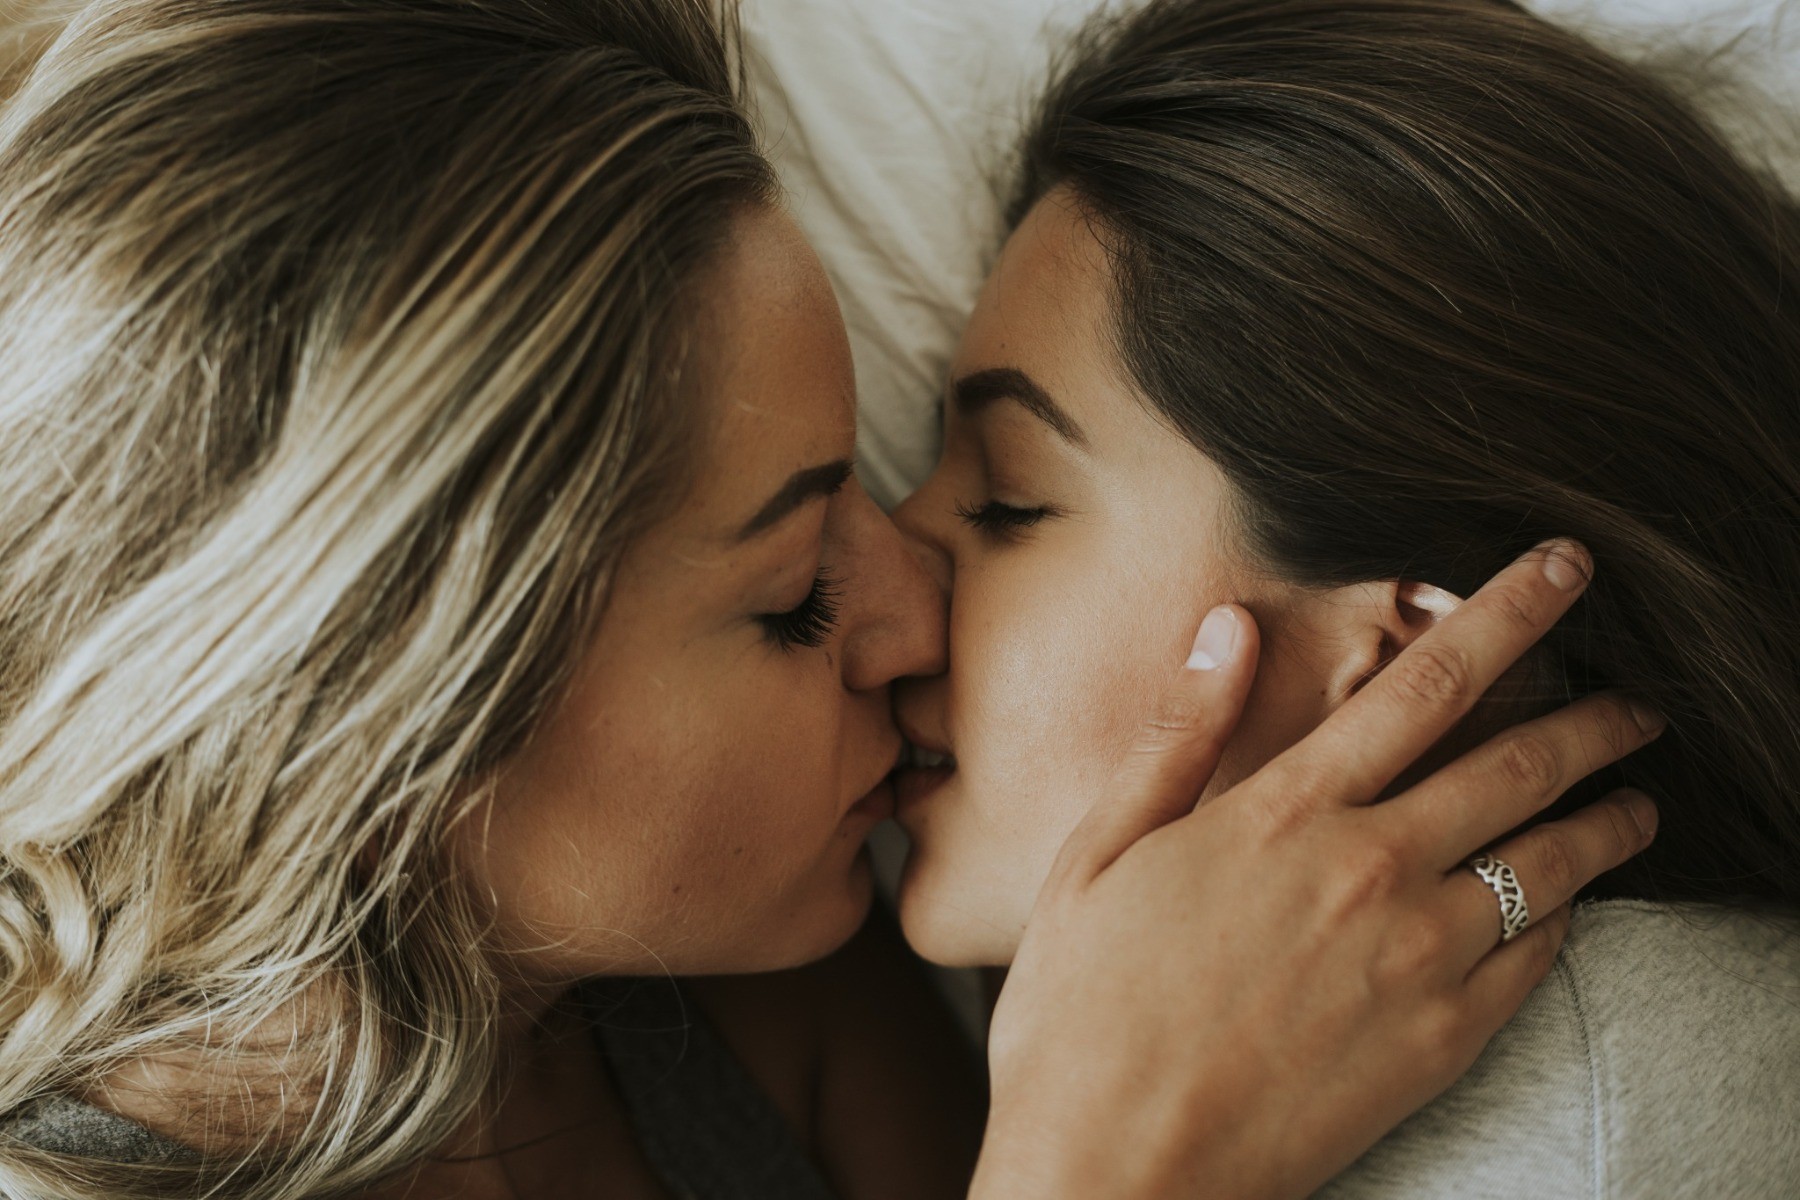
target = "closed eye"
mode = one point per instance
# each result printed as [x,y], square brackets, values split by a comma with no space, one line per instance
[810,623]
[1000,520]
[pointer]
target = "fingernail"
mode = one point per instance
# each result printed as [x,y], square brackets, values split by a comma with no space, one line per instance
[1643,815]
[1216,642]
[1565,563]
[1649,721]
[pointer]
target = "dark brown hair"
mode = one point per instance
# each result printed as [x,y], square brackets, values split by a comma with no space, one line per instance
[1432,280]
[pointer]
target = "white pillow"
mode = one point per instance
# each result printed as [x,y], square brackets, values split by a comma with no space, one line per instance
[893,122]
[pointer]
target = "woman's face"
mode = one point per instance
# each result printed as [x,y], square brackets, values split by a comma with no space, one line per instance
[1086,541]
[700,799]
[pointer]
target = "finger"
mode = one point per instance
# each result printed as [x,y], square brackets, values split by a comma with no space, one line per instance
[1501,980]
[1177,748]
[1432,684]
[1512,777]
[1553,862]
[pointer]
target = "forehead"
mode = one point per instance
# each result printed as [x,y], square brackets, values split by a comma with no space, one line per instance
[1047,308]
[769,372]
[1049,296]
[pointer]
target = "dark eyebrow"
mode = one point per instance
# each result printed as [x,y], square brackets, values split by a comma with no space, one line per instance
[805,484]
[977,390]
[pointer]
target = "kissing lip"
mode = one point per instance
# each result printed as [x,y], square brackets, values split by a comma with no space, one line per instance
[879,799]
[922,749]
[879,802]
[926,766]
[914,784]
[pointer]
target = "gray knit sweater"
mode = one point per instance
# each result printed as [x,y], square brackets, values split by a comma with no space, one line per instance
[1660,1059]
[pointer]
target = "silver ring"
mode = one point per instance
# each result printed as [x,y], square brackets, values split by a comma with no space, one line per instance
[1514,916]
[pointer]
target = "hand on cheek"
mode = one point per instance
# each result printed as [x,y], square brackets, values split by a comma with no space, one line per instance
[1242,997]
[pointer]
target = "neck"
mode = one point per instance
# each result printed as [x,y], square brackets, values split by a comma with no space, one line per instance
[543,1047]
[550,1114]
[530,1014]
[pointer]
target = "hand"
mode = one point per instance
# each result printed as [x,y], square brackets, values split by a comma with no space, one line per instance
[1238,1000]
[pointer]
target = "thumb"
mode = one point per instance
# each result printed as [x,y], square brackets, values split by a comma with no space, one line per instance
[1176,750]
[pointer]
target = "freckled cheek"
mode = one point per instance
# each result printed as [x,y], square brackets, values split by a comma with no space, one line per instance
[763,808]
[731,867]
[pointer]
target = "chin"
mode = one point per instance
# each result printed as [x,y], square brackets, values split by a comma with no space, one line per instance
[946,928]
[820,924]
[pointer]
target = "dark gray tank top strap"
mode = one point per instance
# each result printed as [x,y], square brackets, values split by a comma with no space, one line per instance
[704,1125]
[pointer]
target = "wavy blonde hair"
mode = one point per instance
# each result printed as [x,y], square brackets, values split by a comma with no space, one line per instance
[338,357]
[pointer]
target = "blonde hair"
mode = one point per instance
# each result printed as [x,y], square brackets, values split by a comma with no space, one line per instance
[338,345]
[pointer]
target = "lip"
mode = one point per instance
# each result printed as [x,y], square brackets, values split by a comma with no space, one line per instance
[878,803]
[921,740]
[913,785]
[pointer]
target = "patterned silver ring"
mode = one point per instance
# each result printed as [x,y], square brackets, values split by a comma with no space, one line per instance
[1514,916]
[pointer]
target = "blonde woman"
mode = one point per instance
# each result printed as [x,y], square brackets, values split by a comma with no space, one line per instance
[437,610]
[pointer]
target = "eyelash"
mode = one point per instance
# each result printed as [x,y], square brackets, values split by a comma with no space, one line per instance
[811,622]
[1001,520]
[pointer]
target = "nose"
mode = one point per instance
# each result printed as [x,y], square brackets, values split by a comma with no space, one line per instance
[912,520]
[904,626]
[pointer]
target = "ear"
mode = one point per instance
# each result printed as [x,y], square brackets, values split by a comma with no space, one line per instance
[1371,623]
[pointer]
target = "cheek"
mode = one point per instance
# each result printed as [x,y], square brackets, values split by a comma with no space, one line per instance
[1053,680]
[1060,650]
[1287,702]
[1054,665]
[693,821]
